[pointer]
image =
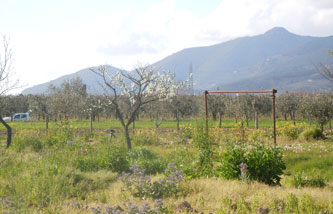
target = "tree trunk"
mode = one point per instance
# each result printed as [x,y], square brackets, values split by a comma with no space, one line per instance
[214,116]
[294,118]
[91,122]
[128,139]
[256,119]
[330,124]
[220,120]
[177,117]
[9,132]
[47,122]
[285,117]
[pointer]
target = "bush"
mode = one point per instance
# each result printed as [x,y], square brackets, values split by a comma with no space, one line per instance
[146,159]
[290,131]
[29,140]
[113,158]
[140,184]
[300,180]
[263,164]
[142,137]
[311,133]
[204,144]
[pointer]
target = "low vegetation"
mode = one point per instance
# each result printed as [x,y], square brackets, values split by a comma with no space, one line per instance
[66,170]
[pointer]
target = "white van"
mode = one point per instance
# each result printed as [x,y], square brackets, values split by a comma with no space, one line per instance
[21,116]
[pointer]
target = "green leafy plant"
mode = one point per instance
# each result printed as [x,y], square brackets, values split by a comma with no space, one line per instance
[146,159]
[204,144]
[264,163]
[300,180]
[140,184]
[311,133]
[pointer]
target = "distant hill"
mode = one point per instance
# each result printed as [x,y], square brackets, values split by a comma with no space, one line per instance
[276,59]
[88,77]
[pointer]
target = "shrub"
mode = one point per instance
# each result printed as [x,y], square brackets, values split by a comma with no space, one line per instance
[290,131]
[311,133]
[113,158]
[141,138]
[264,164]
[146,159]
[140,184]
[133,208]
[29,140]
[300,180]
[204,144]
[187,132]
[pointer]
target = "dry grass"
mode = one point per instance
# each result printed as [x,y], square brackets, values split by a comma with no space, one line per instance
[210,195]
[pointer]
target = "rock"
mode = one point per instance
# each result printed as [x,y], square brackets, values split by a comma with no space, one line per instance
[185,206]
[263,211]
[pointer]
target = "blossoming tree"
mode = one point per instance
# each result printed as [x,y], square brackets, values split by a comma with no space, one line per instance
[142,86]
[7,82]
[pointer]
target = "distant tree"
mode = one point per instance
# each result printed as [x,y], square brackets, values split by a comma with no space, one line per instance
[326,71]
[317,107]
[68,100]
[181,106]
[93,106]
[7,81]
[41,106]
[217,106]
[140,87]
[261,104]
[244,107]
[287,104]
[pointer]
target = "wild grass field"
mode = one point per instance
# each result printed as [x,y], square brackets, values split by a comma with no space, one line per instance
[67,169]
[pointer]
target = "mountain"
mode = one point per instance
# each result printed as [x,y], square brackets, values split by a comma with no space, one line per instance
[276,59]
[88,77]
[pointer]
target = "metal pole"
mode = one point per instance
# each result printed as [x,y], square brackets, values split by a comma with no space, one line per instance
[206,110]
[273,114]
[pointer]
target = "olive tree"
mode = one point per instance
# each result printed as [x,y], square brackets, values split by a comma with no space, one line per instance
[317,107]
[217,106]
[287,104]
[7,81]
[142,86]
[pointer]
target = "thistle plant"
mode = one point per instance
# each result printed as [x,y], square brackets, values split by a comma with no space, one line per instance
[244,172]
[140,184]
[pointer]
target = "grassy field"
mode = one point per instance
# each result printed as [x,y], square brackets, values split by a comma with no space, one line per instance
[68,171]
[147,123]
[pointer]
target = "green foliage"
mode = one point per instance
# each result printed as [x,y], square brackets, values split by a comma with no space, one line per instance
[140,184]
[204,144]
[300,180]
[312,133]
[187,132]
[290,131]
[113,158]
[146,159]
[145,138]
[264,163]
[26,140]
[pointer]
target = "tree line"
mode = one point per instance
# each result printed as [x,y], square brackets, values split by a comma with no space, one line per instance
[71,101]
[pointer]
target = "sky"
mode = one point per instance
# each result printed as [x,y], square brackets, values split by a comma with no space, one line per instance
[52,38]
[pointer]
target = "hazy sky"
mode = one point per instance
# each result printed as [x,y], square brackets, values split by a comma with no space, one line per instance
[51,38]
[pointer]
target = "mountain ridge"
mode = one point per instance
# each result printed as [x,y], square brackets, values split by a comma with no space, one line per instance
[275,59]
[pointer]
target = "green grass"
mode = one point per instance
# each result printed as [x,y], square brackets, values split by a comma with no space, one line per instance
[47,172]
[145,123]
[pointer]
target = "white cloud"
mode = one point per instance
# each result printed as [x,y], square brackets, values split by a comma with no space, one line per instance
[128,37]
